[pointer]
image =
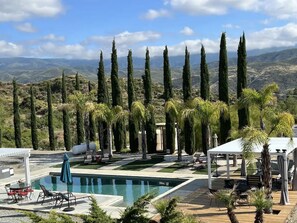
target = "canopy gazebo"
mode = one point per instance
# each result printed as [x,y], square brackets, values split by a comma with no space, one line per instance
[25,153]
[277,146]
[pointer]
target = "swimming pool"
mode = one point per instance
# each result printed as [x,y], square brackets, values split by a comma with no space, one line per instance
[128,187]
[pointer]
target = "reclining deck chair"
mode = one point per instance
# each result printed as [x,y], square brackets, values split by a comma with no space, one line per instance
[46,194]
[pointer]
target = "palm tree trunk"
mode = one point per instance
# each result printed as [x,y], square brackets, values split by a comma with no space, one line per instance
[266,168]
[143,143]
[87,130]
[232,216]
[259,216]
[179,147]
[101,137]
[109,142]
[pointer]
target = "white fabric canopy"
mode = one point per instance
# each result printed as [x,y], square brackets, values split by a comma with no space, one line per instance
[235,146]
[6,152]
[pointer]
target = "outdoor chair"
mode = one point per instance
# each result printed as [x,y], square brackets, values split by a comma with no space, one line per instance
[254,181]
[69,197]
[46,194]
[11,194]
[30,192]
[229,183]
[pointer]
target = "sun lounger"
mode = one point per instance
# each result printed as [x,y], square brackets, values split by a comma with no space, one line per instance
[46,194]
[69,197]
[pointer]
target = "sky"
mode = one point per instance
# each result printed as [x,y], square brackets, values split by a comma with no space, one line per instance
[80,29]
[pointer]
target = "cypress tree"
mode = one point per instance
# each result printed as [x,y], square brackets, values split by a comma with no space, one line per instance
[188,132]
[204,91]
[66,125]
[133,130]
[79,117]
[102,97]
[34,136]
[168,93]
[92,126]
[151,137]
[50,123]
[1,137]
[243,113]
[119,129]
[225,123]
[16,117]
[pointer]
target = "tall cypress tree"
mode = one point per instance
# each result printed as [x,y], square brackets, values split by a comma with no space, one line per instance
[102,97]
[119,129]
[50,123]
[79,117]
[168,93]
[16,117]
[188,132]
[243,113]
[151,137]
[225,123]
[133,130]
[92,126]
[66,123]
[204,91]
[34,136]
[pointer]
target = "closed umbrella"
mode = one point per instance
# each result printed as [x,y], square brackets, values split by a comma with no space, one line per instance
[284,192]
[66,178]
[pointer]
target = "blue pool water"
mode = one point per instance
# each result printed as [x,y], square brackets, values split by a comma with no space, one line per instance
[130,188]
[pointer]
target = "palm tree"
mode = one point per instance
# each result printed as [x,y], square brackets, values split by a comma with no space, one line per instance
[82,102]
[228,198]
[207,112]
[141,114]
[174,109]
[258,199]
[279,124]
[262,100]
[110,116]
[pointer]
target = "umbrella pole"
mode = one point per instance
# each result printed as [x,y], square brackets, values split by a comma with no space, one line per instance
[68,208]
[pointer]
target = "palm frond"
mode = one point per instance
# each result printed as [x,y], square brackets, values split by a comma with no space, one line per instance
[138,111]
[249,97]
[252,137]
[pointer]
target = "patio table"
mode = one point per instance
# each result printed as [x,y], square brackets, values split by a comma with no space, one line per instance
[18,187]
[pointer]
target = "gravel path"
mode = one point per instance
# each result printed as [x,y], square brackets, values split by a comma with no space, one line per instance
[13,216]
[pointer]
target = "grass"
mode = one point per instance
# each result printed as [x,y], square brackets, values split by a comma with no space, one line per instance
[92,166]
[204,170]
[172,168]
[139,164]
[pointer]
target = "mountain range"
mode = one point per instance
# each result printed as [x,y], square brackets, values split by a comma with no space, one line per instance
[278,66]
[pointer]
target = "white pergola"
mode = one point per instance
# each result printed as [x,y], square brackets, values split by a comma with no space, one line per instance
[25,153]
[277,146]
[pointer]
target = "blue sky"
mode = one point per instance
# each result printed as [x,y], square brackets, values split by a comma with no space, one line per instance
[81,28]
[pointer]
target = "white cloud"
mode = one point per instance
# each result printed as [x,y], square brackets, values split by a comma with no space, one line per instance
[125,38]
[187,31]
[16,10]
[8,49]
[284,36]
[231,26]
[69,51]
[282,9]
[26,27]
[154,14]
[53,37]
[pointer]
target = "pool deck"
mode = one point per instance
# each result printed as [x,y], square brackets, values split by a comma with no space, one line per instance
[106,202]
[193,194]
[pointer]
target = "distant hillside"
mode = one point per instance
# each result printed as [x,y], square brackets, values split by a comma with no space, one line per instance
[279,66]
